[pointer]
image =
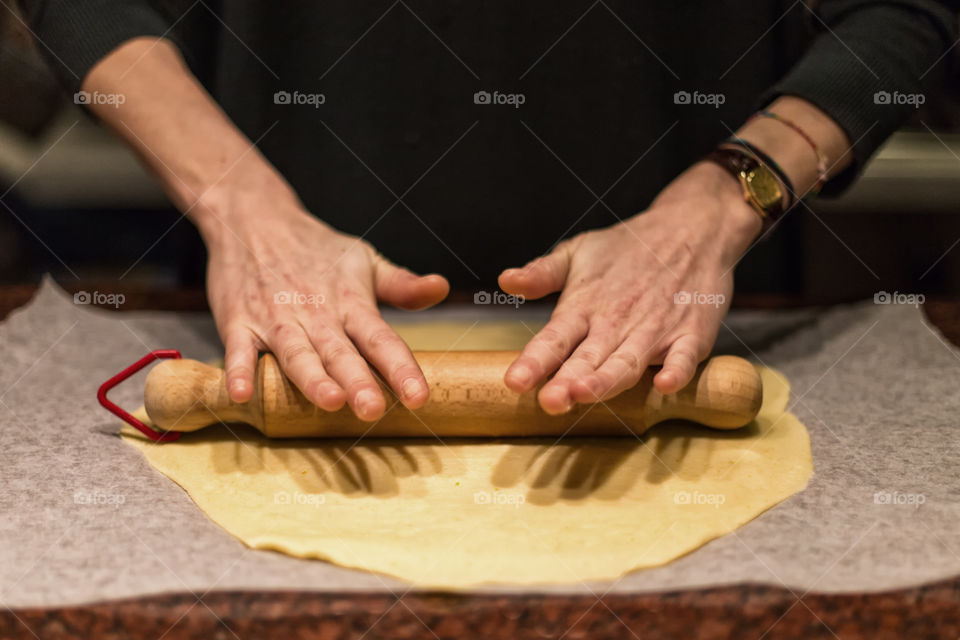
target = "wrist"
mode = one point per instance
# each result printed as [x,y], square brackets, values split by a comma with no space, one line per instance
[248,203]
[803,140]
[712,199]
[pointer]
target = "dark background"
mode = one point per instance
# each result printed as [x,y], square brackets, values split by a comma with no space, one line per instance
[78,205]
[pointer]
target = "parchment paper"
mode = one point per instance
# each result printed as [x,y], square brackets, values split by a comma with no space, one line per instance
[84,518]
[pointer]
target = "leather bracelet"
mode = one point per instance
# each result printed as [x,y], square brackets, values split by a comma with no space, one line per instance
[763,188]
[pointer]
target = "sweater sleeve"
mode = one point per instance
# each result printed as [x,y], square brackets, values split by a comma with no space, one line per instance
[74,35]
[869,66]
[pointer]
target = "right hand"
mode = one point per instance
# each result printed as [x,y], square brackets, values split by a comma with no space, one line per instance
[262,242]
[280,280]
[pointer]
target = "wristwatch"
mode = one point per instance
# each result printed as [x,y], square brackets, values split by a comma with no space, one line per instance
[765,186]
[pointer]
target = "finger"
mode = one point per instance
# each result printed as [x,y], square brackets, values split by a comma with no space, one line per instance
[240,362]
[352,373]
[300,362]
[538,277]
[679,365]
[405,289]
[623,369]
[387,351]
[546,351]
[569,385]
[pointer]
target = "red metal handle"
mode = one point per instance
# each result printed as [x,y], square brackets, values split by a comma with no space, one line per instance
[156,436]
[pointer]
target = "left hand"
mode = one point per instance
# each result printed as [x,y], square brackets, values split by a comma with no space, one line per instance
[624,295]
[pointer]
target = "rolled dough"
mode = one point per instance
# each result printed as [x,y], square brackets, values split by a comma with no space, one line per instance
[459,513]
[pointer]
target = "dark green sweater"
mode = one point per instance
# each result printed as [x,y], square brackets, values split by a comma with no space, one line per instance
[599,130]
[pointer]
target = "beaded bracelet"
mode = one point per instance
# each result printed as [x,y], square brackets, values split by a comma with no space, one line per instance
[821,159]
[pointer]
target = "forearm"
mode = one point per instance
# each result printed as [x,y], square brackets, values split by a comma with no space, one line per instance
[866,48]
[180,132]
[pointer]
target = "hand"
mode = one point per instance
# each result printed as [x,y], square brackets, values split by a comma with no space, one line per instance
[652,289]
[288,283]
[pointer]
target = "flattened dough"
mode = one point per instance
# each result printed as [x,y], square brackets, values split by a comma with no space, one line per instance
[455,514]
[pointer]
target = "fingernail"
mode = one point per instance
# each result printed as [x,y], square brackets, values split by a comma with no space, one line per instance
[328,392]
[410,388]
[521,375]
[366,401]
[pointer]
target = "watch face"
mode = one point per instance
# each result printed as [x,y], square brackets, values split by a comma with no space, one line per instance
[764,187]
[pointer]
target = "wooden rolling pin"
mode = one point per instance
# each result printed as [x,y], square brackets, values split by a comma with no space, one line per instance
[467,398]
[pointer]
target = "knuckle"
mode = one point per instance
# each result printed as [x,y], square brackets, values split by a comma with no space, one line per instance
[238,361]
[571,316]
[235,331]
[294,351]
[685,356]
[337,350]
[623,308]
[383,337]
[359,383]
[627,359]
[589,355]
[405,370]
[280,332]
[554,339]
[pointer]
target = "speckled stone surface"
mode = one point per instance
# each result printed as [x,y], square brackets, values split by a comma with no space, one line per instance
[875,385]
[746,611]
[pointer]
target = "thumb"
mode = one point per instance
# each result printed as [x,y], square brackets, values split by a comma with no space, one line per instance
[405,289]
[539,277]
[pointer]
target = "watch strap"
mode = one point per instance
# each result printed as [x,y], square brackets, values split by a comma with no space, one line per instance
[740,158]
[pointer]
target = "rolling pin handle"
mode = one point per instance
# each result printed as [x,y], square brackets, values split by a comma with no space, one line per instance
[156,436]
